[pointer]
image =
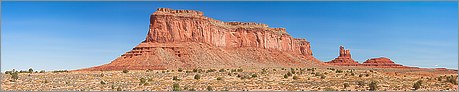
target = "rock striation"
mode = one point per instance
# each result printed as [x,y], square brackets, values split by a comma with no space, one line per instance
[188,39]
[344,58]
[381,62]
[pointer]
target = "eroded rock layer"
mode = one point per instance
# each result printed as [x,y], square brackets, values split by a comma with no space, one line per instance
[344,58]
[187,39]
[381,62]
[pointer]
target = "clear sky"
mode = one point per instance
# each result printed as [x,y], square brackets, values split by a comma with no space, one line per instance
[74,35]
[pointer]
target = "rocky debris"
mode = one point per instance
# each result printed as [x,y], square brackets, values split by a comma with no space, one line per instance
[188,39]
[344,58]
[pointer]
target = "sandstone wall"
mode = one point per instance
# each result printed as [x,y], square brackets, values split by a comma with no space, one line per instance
[167,25]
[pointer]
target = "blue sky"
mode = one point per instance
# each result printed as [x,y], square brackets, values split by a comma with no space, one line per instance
[74,35]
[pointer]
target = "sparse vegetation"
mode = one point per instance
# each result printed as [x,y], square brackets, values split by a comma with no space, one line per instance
[452,79]
[254,75]
[417,85]
[14,76]
[296,77]
[30,70]
[175,78]
[373,85]
[346,85]
[221,70]
[142,81]
[59,71]
[209,88]
[125,71]
[176,87]
[239,70]
[119,89]
[197,76]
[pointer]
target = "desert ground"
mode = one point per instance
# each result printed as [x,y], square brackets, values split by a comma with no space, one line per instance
[237,79]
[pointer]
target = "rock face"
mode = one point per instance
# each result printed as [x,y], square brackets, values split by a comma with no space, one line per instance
[344,58]
[380,62]
[187,39]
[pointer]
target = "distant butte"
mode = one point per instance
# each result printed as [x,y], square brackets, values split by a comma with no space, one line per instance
[345,59]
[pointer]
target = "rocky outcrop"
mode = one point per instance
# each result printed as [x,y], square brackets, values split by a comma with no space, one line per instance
[188,39]
[344,58]
[381,62]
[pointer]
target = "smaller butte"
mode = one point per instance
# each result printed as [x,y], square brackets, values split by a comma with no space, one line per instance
[345,59]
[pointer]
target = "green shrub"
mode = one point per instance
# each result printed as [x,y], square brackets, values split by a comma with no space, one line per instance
[289,74]
[322,76]
[195,70]
[175,78]
[254,75]
[197,76]
[180,70]
[125,71]
[239,70]
[285,76]
[30,70]
[338,71]
[296,77]
[119,89]
[346,85]
[373,85]
[361,83]
[417,85]
[14,76]
[451,79]
[209,88]
[143,80]
[221,70]
[219,78]
[58,71]
[176,87]
[102,82]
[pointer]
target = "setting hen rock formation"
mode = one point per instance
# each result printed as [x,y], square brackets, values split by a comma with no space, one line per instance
[187,39]
[344,58]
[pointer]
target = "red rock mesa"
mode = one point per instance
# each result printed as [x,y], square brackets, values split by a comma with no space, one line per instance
[344,58]
[382,62]
[187,39]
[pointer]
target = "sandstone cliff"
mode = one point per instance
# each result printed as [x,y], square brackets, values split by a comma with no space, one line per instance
[188,39]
